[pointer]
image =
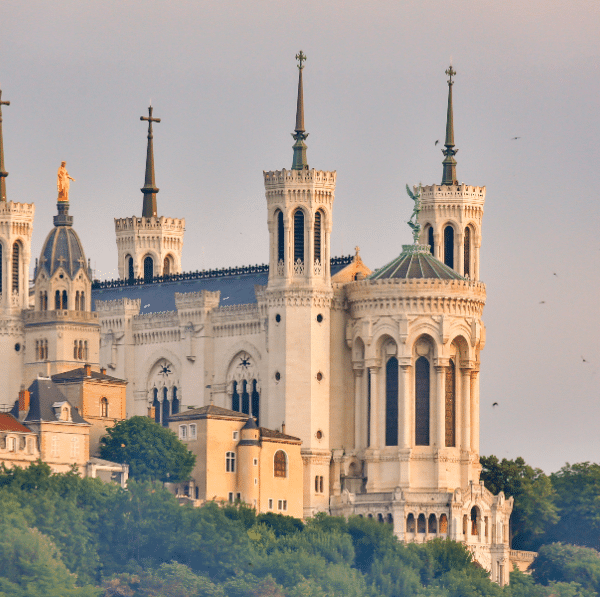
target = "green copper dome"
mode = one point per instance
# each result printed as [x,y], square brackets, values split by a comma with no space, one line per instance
[415,261]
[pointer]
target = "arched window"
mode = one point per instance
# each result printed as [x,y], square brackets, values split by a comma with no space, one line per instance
[280,237]
[75,349]
[245,398]
[57,300]
[467,251]
[450,415]
[255,403]
[45,350]
[230,462]
[474,520]
[77,301]
[148,269]
[465,524]
[432,524]
[167,266]
[175,404]
[166,411]
[421,524]
[422,402]
[85,350]
[45,301]
[129,262]
[449,246]
[390,519]
[299,236]
[82,301]
[430,240]
[391,402]
[410,523]
[104,407]
[280,464]
[380,517]
[64,304]
[235,398]
[318,226]
[156,406]
[80,351]
[15,267]
[443,524]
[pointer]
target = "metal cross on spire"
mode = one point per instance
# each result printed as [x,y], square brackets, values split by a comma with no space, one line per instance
[299,161]
[301,57]
[451,73]
[149,189]
[3,173]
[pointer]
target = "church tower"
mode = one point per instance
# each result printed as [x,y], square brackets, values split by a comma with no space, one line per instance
[298,299]
[62,333]
[16,227]
[451,212]
[149,246]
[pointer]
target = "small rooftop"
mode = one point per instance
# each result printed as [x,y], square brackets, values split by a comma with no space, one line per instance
[9,423]
[81,373]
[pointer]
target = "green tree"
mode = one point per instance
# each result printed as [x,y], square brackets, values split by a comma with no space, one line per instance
[563,563]
[152,452]
[578,499]
[534,511]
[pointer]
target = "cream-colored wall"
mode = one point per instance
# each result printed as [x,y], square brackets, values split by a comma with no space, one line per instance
[26,452]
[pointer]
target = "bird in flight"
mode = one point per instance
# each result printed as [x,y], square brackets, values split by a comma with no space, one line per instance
[437,142]
[583,360]
[542,302]
[514,138]
[495,404]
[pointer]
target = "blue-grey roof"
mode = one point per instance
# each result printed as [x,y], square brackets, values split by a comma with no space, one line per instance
[62,248]
[236,286]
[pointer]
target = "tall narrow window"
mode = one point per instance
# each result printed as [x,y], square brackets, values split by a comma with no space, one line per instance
[450,415]
[280,464]
[235,398]
[82,301]
[230,462]
[1,264]
[166,410]
[104,407]
[148,269]
[467,251]
[245,398]
[63,303]
[156,406]
[75,447]
[449,246]
[255,402]
[430,240]
[77,301]
[422,402]
[15,267]
[318,222]
[45,302]
[167,266]
[299,235]
[130,274]
[75,349]
[280,236]
[57,300]
[391,402]
[41,301]
[45,350]
[85,351]
[80,351]
[175,403]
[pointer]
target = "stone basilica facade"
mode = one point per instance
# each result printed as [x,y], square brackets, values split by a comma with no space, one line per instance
[375,372]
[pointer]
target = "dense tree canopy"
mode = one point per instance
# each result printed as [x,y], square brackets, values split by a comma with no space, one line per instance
[534,509]
[152,452]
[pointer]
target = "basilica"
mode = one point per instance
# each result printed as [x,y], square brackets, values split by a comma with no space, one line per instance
[373,374]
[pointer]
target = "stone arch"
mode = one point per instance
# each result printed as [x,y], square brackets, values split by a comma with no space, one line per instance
[410,523]
[168,265]
[449,230]
[222,367]
[300,221]
[432,524]
[426,329]
[243,384]
[358,349]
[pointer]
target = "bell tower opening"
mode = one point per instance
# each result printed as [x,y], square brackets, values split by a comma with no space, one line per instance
[148,269]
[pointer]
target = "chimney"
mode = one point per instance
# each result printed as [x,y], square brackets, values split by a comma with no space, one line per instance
[103,370]
[88,370]
[24,396]
[283,428]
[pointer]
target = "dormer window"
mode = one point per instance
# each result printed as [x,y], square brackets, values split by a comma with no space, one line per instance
[62,411]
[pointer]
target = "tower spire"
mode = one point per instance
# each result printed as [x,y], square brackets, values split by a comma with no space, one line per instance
[299,162]
[149,189]
[3,173]
[449,163]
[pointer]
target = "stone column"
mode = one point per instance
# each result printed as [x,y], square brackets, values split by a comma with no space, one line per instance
[374,414]
[476,246]
[466,407]
[309,238]
[360,415]
[437,433]
[405,407]
[437,246]
[287,245]
[460,252]
[474,396]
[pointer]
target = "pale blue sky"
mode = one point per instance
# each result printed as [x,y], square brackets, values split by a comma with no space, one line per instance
[222,77]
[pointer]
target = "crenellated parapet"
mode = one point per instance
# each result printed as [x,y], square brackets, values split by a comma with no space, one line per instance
[205,300]
[280,179]
[175,225]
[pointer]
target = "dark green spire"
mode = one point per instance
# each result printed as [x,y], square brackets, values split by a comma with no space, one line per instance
[3,173]
[449,163]
[299,162]
[149,189]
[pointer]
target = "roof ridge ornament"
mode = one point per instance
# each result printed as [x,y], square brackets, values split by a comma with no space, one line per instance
[299,162]
[3,173]
[449,163]
[149,189]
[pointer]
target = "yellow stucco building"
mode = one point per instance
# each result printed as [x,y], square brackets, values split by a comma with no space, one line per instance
[238,461]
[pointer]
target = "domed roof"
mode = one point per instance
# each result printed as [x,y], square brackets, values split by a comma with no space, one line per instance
[62,248]
[416,261]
